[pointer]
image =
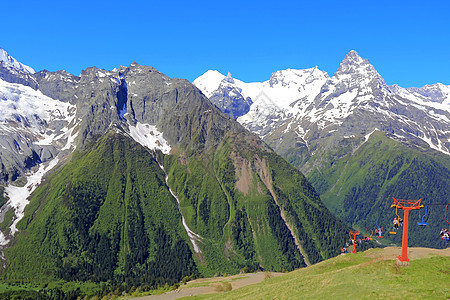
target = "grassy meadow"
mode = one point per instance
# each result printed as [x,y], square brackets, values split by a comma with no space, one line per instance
[372,274]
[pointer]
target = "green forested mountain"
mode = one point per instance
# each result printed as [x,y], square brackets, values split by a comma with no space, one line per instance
[359,187]
[106,215]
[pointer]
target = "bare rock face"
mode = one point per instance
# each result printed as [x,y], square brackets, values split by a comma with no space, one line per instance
[175,106]
[90,104]
[58,85]
[229,98]
[15,77]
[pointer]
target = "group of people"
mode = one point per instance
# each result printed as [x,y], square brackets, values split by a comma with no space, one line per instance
[444,231]
[398,223]
[379,232]
[344,249]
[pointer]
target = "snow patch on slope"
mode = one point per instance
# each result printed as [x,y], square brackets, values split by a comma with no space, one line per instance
[19,101]
[33,113]
[18,196]
[149,136]
[193,237]
[367,136]
[439,147]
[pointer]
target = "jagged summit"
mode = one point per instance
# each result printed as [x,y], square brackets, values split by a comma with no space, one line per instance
[15,72]
[209,81]
[353,63]
[9,61]
[229,78]
[353,55]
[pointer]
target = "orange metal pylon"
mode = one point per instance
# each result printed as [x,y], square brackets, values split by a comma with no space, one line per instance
[406,205]
[354,233]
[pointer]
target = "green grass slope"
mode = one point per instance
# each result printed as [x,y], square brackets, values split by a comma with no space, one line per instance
[365,275]
[359,187]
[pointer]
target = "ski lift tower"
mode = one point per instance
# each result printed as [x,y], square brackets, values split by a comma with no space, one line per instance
[354,233]
[406,205]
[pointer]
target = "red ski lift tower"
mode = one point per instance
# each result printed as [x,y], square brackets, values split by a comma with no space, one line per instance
[354,233]
[406,205]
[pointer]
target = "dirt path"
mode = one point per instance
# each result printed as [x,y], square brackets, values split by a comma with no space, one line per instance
[237,281]
[413,252]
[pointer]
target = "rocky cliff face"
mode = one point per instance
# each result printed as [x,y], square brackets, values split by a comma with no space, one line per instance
[99,99]
[229,99]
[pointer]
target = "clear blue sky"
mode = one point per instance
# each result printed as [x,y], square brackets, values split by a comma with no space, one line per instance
[408,42]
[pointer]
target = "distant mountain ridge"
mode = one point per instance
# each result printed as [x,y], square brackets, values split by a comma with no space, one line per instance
[299,102]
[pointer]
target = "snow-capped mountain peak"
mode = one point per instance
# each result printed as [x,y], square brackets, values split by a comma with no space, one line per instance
[353,57]
[229,78]
[308,103]
[11,63]
[291,78]
[353,73]
[209,82]
[354,66]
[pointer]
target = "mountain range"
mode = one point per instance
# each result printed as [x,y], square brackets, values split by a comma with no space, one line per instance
[296,100]
[358,140]
[131,176]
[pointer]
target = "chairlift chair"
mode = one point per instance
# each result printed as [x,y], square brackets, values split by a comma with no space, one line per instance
[398,219]
[423,223]
[379,230]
